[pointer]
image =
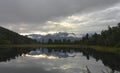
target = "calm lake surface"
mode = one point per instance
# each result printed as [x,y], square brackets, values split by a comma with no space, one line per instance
[57,60]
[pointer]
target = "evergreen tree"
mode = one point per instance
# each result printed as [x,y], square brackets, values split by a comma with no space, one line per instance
[110,37]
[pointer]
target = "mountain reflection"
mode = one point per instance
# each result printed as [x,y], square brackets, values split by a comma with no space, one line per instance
[108,59]
[51,53]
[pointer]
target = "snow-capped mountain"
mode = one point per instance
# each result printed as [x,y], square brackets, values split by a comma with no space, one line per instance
[55,36]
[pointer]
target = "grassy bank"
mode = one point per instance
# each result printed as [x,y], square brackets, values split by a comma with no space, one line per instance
[106,49]
[98,48]
[40,45]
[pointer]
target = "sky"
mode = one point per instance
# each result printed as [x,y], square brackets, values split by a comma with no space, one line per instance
[52,16]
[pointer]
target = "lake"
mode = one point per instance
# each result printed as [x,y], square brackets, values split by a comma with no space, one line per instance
[57,60]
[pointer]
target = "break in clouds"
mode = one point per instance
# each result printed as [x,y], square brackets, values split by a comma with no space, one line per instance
[50,16]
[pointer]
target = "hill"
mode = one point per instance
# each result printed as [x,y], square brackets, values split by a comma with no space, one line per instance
[10,37]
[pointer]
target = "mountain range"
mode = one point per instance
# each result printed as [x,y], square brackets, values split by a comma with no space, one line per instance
[56,36]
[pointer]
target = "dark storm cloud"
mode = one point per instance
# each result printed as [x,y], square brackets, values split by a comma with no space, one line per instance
[39,11]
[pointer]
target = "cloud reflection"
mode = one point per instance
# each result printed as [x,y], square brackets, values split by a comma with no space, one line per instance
[42,56]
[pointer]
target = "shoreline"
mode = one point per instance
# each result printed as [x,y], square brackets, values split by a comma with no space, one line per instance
[97,48]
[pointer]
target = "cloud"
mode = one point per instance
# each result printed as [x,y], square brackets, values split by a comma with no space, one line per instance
[37,11]
[90,22]
[32,16]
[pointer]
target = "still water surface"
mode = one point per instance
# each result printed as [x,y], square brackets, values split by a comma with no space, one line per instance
[57,60]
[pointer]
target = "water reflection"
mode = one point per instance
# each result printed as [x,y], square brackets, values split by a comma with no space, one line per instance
[51,53]
[6,54]
[57,60]
[42,56]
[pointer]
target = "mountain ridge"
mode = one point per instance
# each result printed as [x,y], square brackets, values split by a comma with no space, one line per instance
[56,36]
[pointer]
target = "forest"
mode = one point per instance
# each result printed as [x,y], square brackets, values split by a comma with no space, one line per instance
[110,37]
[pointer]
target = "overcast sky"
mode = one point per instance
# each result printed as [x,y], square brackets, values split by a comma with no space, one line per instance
[51,16]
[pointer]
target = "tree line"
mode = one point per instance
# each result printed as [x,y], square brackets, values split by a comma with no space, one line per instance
[109,37]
